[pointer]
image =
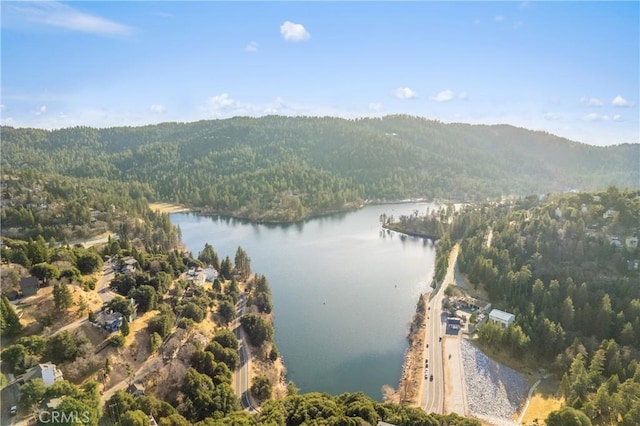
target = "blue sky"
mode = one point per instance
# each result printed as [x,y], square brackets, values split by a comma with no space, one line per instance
[571,69]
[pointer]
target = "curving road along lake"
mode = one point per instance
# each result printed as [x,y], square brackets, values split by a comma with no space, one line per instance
[344,291]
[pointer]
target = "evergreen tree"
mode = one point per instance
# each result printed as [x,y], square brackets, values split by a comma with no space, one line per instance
[10,322]
[226,268]
[62,296]
[124,329]
[243,263]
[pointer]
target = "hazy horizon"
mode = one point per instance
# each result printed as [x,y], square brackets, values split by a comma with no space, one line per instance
[570,69]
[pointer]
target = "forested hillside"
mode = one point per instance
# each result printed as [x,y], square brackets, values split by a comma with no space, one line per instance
[289,168]
[568,268]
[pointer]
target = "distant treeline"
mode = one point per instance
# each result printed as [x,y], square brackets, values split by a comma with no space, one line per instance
[290,168]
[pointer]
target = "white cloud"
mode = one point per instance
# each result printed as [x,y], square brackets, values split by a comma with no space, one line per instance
[553,116]
[375,106]
[62,15]
[596,117]
[2,107]
[405,93]
[41,110]
[617,117]
[224,106]
[157,108]
[518,24]
[476,21]
[619,101]
[499,18]
[221,101]
[444,96]
[252,47]
[463,95]
[294,32]
[594,102]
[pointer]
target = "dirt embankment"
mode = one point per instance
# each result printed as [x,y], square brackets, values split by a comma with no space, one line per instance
[408,391]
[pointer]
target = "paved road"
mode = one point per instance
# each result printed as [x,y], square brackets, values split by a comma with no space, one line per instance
[241,377]
[102,286]
[432,400]
[455,401]
[526,405]
[100,239]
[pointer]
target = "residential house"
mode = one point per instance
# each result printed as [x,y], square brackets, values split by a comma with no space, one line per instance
[210,273]
[631,242]
[615,241]
[109,320]
[501,317]
[128,264]
[196,276]
[29,286]
[53,403]
[609,214]
[136,389]
[113,321]
[48,372]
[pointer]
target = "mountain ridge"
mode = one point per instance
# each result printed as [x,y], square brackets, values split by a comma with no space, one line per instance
[290,168]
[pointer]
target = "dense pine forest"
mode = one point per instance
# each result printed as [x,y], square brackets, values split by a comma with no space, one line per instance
[291,168]
[567,266]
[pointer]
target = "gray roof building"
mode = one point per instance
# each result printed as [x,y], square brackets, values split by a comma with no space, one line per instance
[29,286]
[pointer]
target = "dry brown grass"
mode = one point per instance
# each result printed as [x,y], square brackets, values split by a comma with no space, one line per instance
[526,365]
[543,401]
[167,207]
[479,293]
[275,371]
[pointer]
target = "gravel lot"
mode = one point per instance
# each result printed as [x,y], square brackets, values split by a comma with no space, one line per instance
[494,391]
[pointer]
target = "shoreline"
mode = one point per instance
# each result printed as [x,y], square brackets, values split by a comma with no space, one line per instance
[168,207]
[411,382]
[398,229]
[162,207]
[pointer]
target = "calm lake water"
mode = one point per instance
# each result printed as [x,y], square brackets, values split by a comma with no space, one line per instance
[344,291]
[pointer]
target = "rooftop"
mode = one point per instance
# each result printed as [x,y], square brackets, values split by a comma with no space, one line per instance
[502,315]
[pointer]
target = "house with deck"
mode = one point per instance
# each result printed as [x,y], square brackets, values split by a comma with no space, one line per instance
[48,372]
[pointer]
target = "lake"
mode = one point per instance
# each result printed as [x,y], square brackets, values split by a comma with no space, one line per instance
[344,290]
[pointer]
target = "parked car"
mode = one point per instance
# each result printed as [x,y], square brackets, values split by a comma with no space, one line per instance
[431,378]
[13,410]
